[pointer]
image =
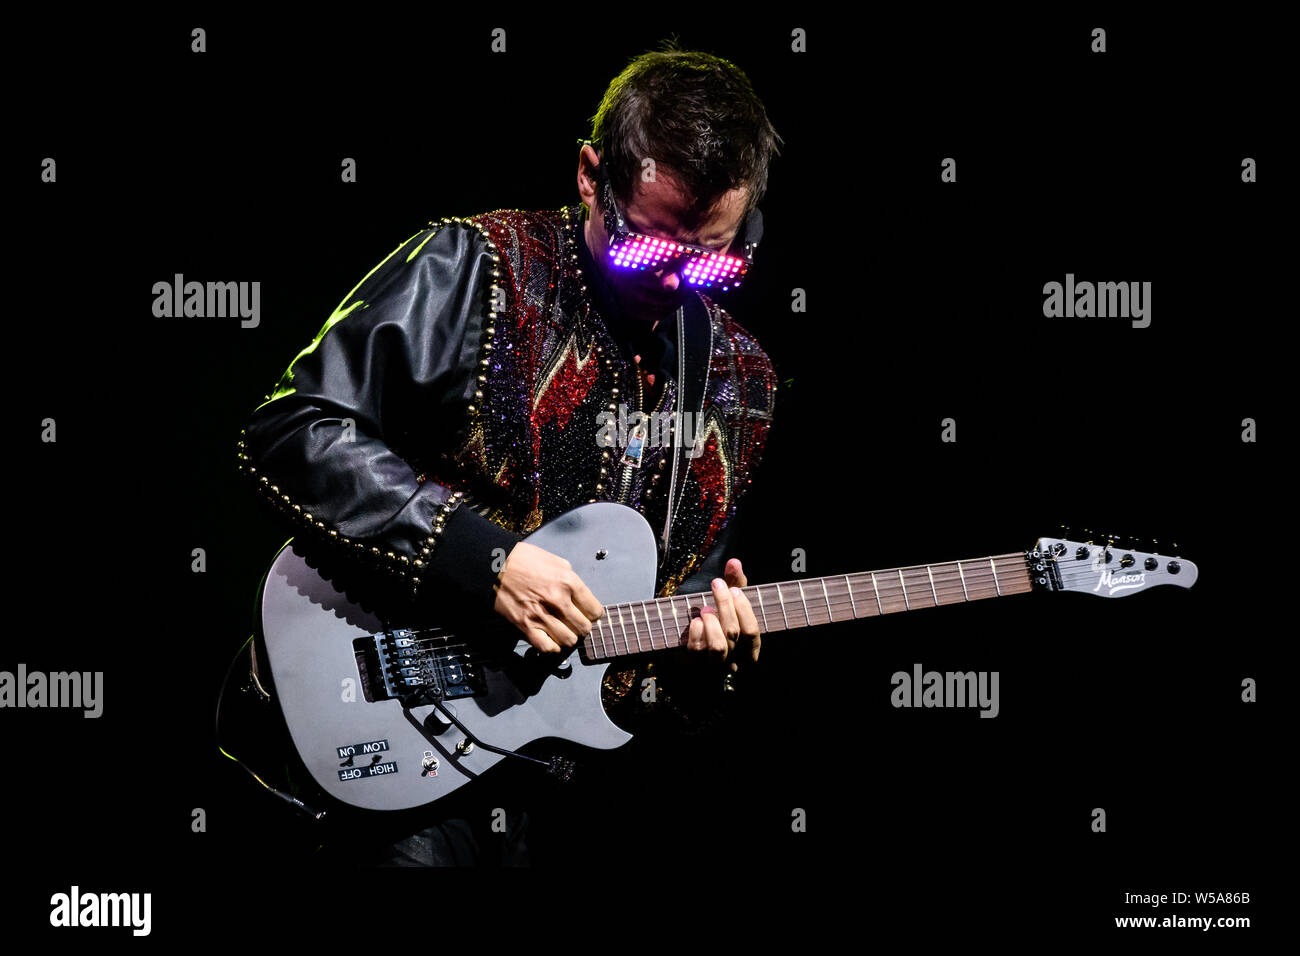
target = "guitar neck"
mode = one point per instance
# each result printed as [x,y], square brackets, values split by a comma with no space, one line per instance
[639,627]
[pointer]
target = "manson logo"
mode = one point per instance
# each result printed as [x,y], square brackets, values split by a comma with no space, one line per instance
[1120,582]
[1102,300]
[947,689]
[213,300]
[59,689]
[102,909]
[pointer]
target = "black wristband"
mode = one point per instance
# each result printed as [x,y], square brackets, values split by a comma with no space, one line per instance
[464,557]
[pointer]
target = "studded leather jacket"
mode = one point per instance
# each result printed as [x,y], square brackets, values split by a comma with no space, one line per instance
[453,403]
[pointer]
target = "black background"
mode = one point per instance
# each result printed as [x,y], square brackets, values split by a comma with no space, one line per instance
[924,302]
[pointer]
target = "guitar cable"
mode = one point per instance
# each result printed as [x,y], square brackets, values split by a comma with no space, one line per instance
[557,767]
[293,801]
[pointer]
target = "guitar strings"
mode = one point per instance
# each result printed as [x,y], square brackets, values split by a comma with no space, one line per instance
[825,611]
[841,599]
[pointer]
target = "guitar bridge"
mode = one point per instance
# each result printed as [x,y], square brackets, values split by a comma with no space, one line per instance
[405,665]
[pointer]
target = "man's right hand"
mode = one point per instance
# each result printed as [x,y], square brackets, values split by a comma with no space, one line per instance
[540,594]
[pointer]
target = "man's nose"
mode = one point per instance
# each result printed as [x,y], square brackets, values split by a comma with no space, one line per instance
[669,279]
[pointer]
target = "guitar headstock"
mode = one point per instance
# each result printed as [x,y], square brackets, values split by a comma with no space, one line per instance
[1102,565]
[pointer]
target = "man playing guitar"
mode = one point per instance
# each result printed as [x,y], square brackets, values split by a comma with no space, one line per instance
[466,391]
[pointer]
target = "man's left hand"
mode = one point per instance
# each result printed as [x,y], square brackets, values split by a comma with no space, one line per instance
[729,629]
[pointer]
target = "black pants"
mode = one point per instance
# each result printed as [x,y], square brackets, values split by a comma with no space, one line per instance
[486,839]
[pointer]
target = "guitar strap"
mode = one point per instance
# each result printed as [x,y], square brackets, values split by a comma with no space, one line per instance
[694,349]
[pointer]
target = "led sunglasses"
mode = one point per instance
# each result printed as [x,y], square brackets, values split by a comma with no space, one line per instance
[701,267]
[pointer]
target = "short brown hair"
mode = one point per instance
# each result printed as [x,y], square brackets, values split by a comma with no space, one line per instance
[694,114]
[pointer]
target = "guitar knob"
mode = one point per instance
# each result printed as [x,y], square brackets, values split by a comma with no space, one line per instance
[1151,564]
[436,724]
[1174,567]
[1081,554]
[1127,561]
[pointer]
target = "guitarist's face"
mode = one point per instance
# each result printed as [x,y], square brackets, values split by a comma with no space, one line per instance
[659,209]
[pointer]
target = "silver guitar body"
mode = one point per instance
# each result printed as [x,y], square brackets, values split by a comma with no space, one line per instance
[378,754]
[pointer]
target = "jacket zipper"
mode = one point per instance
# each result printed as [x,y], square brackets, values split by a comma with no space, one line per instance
[626,489]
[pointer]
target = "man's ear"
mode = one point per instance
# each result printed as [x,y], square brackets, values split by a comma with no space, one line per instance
[588,168]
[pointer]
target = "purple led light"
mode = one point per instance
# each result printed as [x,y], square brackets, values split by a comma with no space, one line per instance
[698,268]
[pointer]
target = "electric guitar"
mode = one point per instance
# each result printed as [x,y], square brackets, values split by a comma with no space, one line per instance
[388,718]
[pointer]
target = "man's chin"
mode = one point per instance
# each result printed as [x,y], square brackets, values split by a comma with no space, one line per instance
[649,308]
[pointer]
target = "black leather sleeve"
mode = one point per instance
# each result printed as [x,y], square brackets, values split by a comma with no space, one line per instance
[393,369]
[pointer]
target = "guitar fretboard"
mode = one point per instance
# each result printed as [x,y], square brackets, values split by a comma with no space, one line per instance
[657,624]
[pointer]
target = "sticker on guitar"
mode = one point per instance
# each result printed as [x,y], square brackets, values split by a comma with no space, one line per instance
[374,770]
